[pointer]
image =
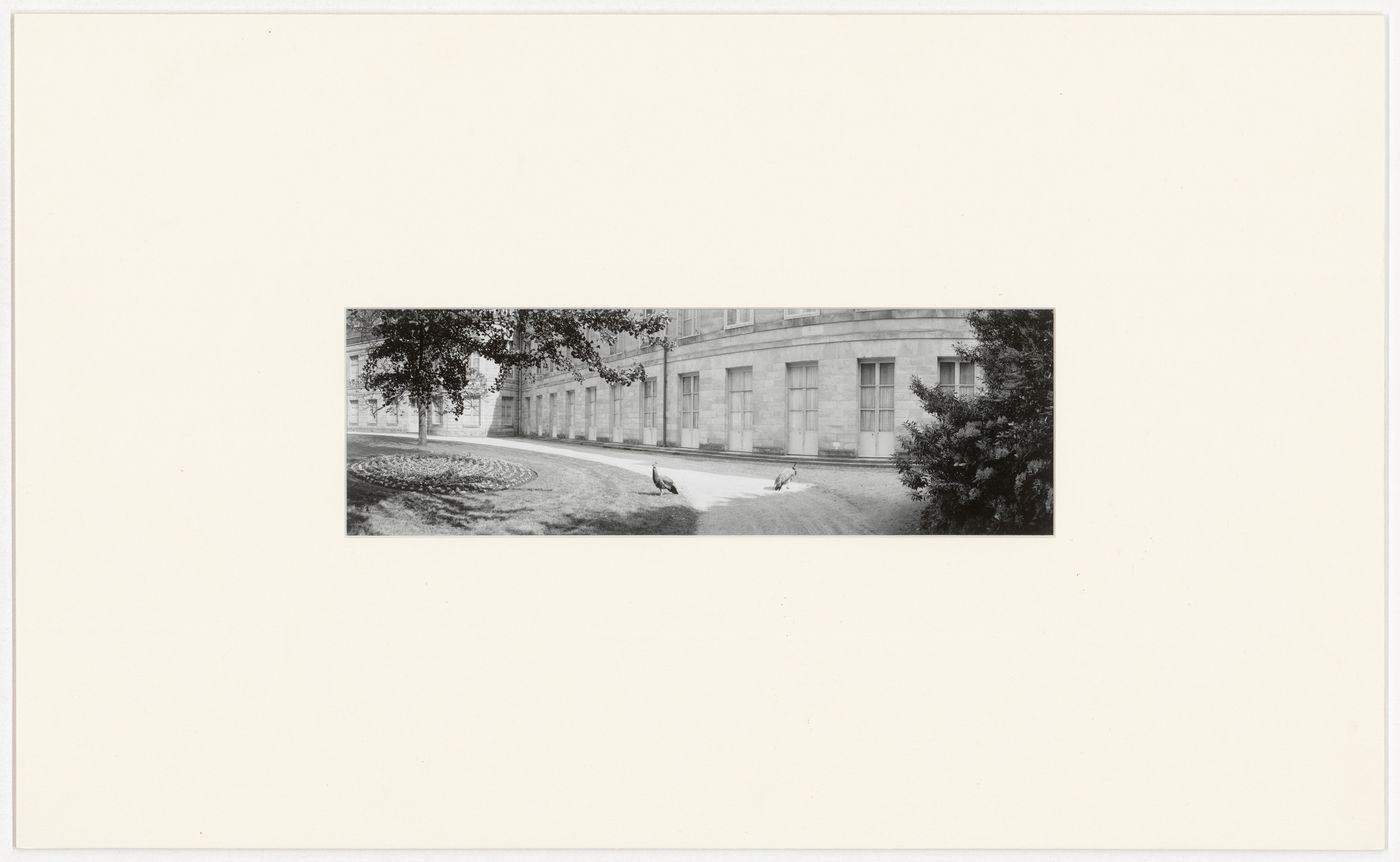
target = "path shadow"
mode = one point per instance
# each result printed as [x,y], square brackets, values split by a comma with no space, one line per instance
[664,521]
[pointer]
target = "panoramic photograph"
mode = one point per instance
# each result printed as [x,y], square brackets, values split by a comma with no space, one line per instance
[683,421]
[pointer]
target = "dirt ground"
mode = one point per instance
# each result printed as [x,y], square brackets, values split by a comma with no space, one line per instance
[574,496]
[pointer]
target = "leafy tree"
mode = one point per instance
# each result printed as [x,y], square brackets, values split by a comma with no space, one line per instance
[424,354]
[985,464]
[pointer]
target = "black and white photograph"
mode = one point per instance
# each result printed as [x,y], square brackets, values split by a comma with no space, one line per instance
[720,421]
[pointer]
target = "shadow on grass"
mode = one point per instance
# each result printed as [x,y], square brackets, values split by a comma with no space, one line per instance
[665,521]
[359,497]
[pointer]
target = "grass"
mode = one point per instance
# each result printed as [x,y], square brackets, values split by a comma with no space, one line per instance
[567,497]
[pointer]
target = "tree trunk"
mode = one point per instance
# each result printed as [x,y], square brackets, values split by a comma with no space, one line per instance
[423,423]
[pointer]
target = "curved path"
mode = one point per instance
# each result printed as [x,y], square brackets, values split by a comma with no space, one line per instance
[583,489]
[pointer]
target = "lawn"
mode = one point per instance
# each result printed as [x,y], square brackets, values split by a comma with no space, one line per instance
[566,497]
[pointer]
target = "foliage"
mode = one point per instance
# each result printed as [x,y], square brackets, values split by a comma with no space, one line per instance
[424,354]
[985,464]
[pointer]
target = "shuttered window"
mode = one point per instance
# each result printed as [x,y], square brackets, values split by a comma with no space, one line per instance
[689,323]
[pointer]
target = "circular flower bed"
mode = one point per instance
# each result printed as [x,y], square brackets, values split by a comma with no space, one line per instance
[441,474]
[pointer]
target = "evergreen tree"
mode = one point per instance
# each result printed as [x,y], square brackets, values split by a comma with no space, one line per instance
[985,464]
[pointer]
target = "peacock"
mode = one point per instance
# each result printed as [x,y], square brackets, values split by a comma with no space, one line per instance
[784,478]
[662,483]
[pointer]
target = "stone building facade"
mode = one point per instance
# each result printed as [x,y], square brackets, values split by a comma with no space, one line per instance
[800,381]
[492,413]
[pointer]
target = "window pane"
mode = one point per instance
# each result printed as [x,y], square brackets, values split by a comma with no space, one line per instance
[965,372]
[886,420]
[886,373]
[811,376]
[794,377]
[887,396]
[946,372]
[867,374]
[867,420]
[811,420]
[795,399]
[811,399]
[867,397]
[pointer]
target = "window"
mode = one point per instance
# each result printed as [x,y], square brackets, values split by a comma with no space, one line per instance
[789,313]
[644,342]
[374,411]
[690,400]
[354,411]
[392,411]
[553,413]
[737,317]
[617,407]
[471,416]
[437,412]
[505,410]
[802,398]
[649,403]
[353,369]
[569,411]
[689,323]
[740,399]
[474,362]
[539,412]
[957,376]
[877,396]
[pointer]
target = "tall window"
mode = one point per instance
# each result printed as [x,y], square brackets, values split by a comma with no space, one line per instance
[802,397]
[352,369]
[738,317]
[690,400]
[354,411]
[437,411]
[877,396]
[799,312]
[553,412]
[569,411]
[689,323]
[505,410]
[957,376]
[539,412]
[740,399]
[471,416]
[649,403]
[617,407]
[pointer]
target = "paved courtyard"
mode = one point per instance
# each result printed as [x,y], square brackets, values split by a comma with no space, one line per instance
[589,490]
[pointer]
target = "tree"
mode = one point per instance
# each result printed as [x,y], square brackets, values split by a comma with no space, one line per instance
[424,354]
[985,464]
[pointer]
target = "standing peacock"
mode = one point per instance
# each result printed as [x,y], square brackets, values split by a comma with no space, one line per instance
[662,483]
